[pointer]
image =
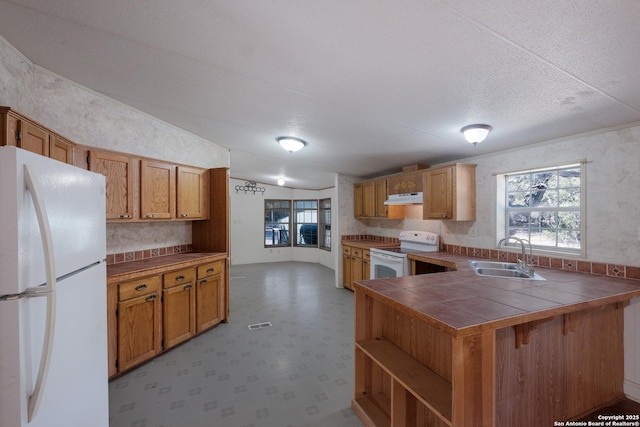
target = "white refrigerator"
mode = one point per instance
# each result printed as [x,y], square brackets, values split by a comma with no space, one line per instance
[53,325]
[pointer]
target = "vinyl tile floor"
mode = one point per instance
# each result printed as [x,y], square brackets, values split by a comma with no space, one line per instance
[296,372]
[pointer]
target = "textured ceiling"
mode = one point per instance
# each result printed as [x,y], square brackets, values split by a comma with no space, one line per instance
[371,86]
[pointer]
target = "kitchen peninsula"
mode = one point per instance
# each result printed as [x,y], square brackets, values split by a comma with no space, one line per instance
[458,349]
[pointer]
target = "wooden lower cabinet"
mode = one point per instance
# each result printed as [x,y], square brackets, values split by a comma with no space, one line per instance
[178,307]
[149,315]
[352,265]
[139,327]
[356,265]
[366,264]
[210,295]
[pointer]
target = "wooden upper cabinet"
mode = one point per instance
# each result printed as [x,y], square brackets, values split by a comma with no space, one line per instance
[192,185]
[119,172]
[369,198]
[157,190]
[20,131]
[60,149]
[450,193]
[357,201]
[32,138]
[382,194]
[409,181]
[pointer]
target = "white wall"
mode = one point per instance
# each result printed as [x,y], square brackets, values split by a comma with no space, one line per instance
[247,226]
[92,119]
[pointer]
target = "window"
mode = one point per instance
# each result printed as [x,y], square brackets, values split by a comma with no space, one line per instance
[544,207]
[324,223]
[302,223]
[305,213]
[277,222]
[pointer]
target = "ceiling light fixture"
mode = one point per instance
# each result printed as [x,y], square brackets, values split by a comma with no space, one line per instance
[290,143]
[281,181]
[475,133]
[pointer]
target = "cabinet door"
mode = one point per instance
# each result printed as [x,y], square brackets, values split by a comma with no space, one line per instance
[119,173]
[366,264]
[368,199]
[61,149]
[112,329]
[380,197]
[139,330]
[33,138]
[157,190]
[178,314]
[357,201]
[439,194]
[191,193]
[346,268]
[356,269]
[209,296]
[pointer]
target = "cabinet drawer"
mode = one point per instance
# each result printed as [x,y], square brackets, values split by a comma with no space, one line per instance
[356,252]
[139,287]
[346,250]
[210,269]
[180,277]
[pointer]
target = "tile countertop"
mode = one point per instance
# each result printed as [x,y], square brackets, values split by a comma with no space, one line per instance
[368,244]
[462,303]
[150,266]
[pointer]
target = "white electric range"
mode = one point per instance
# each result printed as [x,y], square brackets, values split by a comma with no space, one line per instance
[393,262]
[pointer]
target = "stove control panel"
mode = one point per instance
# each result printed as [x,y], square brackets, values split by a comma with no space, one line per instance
[424,237]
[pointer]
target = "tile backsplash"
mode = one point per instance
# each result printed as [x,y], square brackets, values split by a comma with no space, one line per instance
[589,267]
[147,253]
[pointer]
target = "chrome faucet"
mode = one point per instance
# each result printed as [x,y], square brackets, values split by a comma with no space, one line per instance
[524,264]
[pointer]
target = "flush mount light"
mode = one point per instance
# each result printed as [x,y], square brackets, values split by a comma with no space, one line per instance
[475,133]
[290,143]
[281,181]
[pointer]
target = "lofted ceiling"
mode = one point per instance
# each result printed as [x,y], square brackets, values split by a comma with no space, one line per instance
[371,86]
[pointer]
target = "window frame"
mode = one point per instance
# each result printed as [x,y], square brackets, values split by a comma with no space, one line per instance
[297,225]
[287,225]
[324,225]
[503,208]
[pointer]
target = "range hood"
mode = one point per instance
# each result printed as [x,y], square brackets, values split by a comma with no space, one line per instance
[404,199]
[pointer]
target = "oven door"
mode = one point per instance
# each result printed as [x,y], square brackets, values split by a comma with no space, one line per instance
[383,265]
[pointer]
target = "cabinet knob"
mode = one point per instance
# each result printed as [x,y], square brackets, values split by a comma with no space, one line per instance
[181,277]
[141,287]
[124,216]
[151,297]
[203,281]
[187,287]
[184,215]
[150,215]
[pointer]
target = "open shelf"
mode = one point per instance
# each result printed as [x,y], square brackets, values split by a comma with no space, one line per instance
[374,409]
[429,388]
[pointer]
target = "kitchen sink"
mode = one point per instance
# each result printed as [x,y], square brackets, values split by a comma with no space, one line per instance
[502,269]
[493,265]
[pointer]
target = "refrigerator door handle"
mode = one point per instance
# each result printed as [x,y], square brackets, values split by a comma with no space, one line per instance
[48,291]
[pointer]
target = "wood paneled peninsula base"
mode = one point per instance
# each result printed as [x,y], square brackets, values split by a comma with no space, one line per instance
[457,349]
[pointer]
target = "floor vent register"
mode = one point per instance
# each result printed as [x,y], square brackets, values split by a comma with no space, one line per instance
[259,325]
